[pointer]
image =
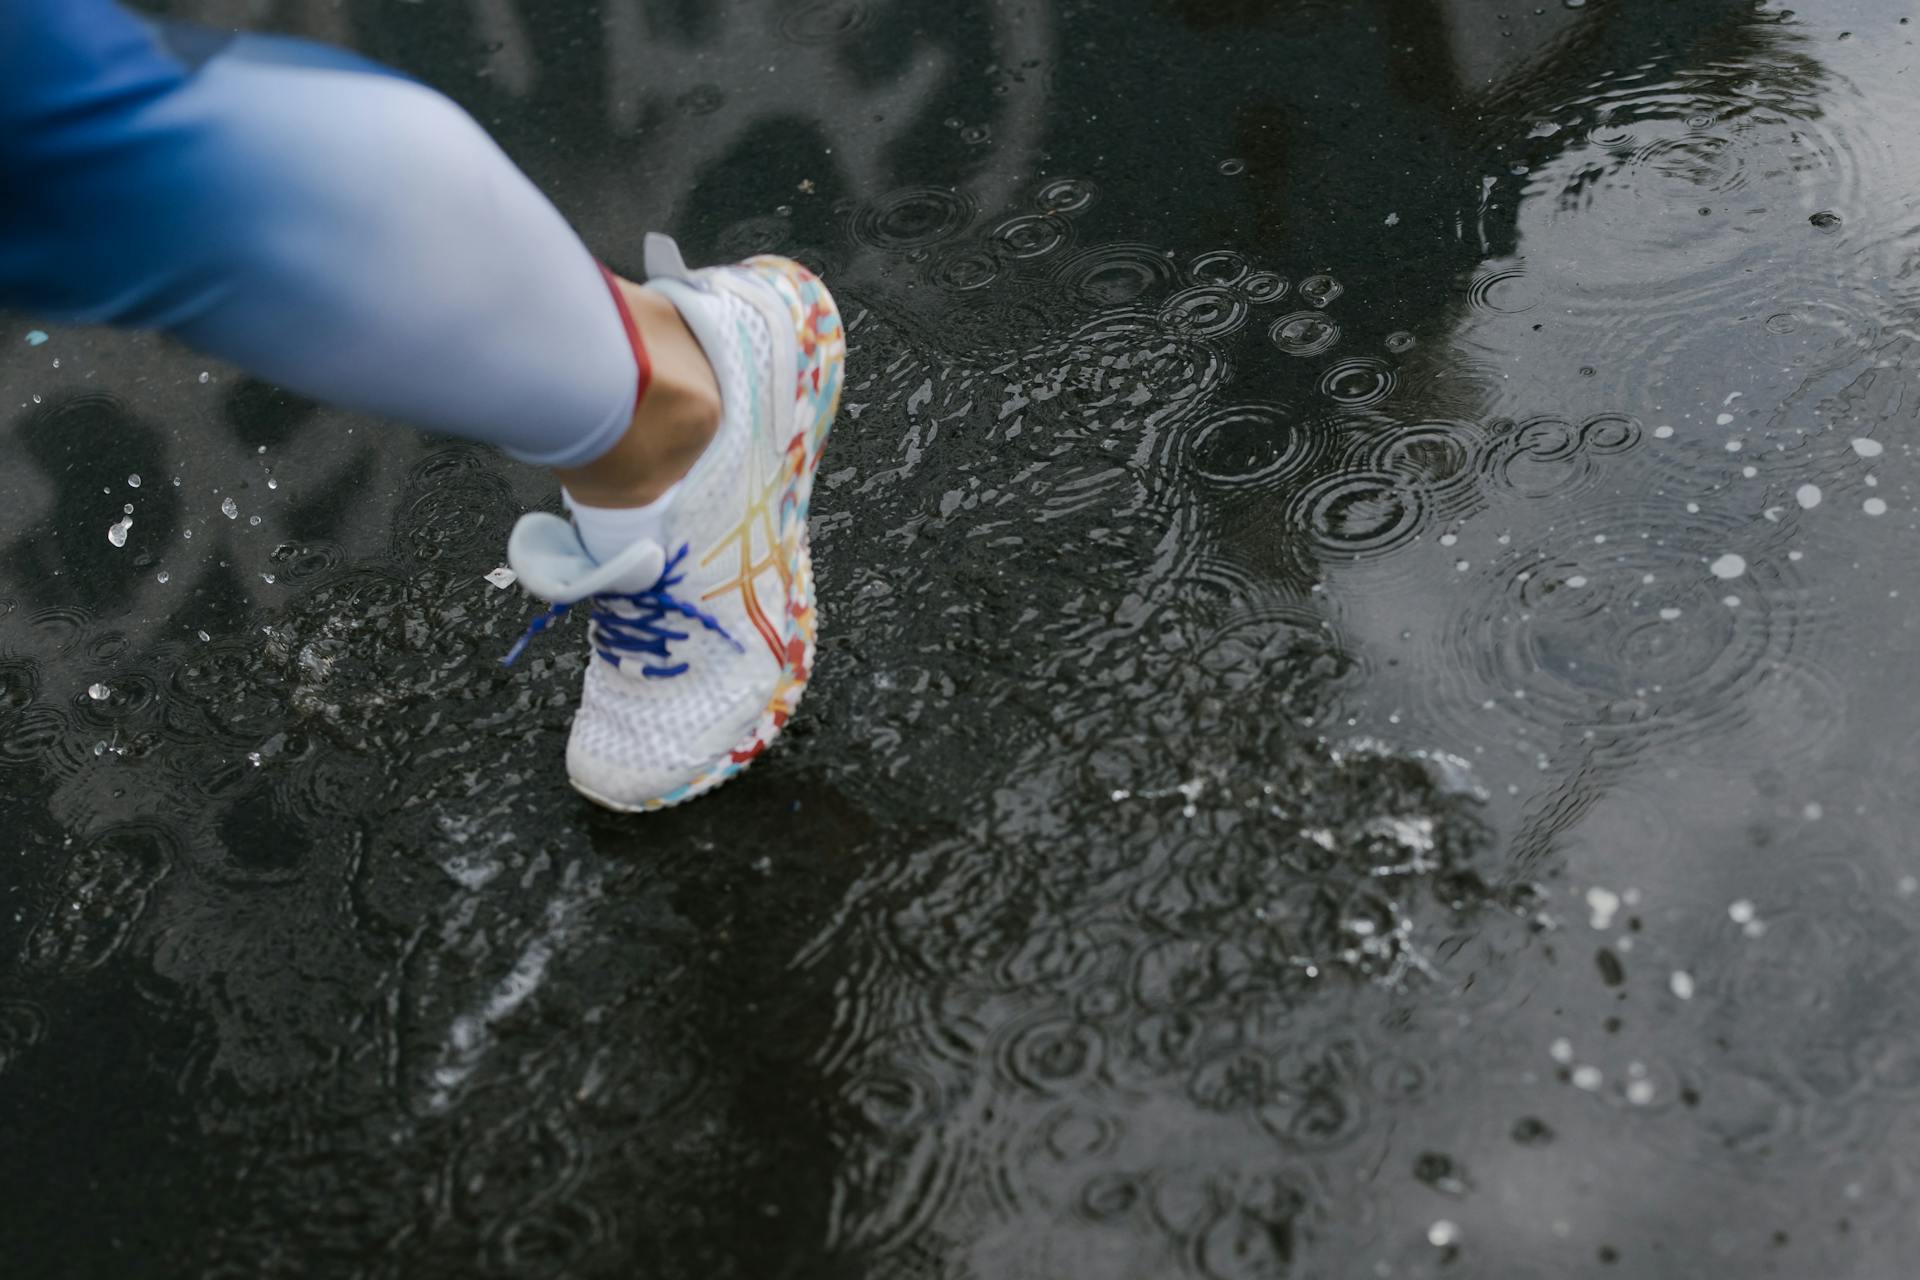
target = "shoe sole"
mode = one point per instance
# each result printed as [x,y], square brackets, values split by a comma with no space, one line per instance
[820,346]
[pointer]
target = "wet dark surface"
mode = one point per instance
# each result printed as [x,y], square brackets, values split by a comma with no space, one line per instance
[1296,785]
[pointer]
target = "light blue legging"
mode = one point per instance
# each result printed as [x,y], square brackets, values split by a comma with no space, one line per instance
[308,215]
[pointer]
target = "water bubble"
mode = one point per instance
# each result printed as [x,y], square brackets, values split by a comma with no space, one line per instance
[1319,290]
[1808,496]
[35,337]
[205,376]
[1867,448]
[229,508]
[162,577]
[1443,1234]
[1680,982]
[1874,506]
[98,692]
[117,533]
[1233,167]
[133,482]
[1729,566]
[1304,333]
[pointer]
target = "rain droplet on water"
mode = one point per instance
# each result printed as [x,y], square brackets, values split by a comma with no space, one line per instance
[1729,566]
[229,508]
[117,533]
[98,692]
[1826,220]
[133,482]
[1681,984]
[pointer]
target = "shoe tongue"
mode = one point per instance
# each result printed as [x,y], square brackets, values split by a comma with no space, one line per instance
[550,562]
[636,569]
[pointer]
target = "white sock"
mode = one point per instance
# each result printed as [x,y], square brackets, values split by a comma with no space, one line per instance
[607,531]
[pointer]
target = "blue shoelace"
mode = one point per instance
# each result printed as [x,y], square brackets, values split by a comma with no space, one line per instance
[642,632]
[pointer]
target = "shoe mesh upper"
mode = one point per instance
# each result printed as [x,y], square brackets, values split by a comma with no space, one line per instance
[628,723]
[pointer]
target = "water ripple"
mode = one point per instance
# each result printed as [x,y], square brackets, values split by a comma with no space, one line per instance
[1113,274]
[913,218]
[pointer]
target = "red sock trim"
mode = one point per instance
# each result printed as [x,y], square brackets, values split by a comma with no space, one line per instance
[640,360]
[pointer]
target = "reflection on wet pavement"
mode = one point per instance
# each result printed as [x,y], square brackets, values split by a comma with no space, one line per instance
[1359,732]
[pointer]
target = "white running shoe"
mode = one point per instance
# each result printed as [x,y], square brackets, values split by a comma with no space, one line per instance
[703,642]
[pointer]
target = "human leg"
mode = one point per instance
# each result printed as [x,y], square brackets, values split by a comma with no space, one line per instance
[335,228]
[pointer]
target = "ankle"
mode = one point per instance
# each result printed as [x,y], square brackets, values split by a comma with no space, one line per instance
[676,418]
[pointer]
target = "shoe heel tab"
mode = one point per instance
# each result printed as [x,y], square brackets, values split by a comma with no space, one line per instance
[663,260]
